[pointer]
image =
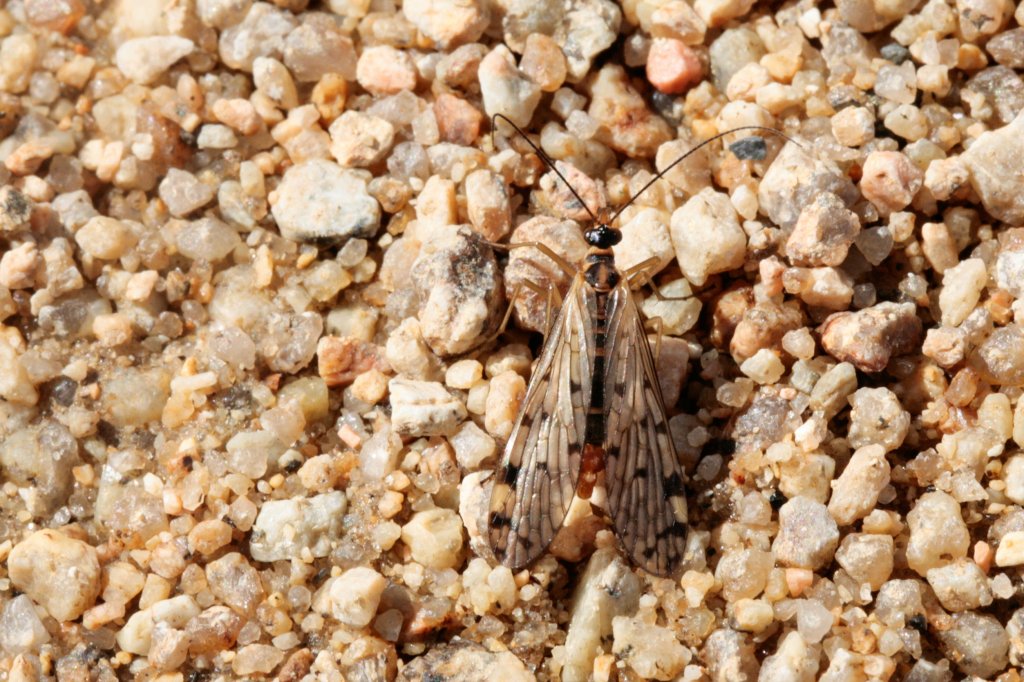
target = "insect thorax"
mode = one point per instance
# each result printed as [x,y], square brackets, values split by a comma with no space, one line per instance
[600,271]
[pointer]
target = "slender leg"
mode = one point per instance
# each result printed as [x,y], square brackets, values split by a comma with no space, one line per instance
[659,325]
[550,294]
[641,271]
[565,266]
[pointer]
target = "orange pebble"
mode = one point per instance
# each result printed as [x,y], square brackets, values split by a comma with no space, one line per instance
[983,555]
[672,67]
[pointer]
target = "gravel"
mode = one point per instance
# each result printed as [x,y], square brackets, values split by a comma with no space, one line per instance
[253,256]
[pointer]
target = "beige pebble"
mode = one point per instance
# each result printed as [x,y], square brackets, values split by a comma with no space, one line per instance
[48,558]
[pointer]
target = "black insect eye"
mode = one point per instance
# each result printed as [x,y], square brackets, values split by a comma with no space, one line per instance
[602,237]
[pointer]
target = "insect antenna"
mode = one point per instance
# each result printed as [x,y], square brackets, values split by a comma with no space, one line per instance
[543,157]
[690,152]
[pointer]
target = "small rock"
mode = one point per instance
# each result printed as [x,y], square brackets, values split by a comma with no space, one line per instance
[261,33]
[870,337]
[867,558]
[945,345]
[1011,549]
[458,121]
[15,208]
[1009,266]
[993,161]
[977,643]
[21,630]
[732,51]
[353,596]
[678,311]
[853,126]
[808,536]
[505,89]
[256,659]
[645,237]
[707,236]
[318,201]
[212,631]
[877,418]
[672,66]
[472,446]
[960,586]
[855,493]
[938,534]
[317,48]
[729,655]
[890,181]
[284,528]
[408,354]
[607,588]
[543,62]
[939,246]
[384,70]
[502,405]
[340,360]
[628,126]
[434,537]
[144,60]
[718,12]
[743,572]
[423,408]
[234,581]
[449,23]
[795,179]
[794,659]
[762,327]
[360,140]
[487,203]
[204,239]
[1000,358]
[1007,48]
[823,233]
[168,648]
[961,290]
[458,283]
[18,266]
[48,558]
[464,661]
[528,264]
[764,366]
[184,192]
[652,651]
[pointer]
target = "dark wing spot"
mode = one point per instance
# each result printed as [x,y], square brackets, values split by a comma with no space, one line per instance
[673,486]
[499,520]
[677,529]
[510,475]
[640,472]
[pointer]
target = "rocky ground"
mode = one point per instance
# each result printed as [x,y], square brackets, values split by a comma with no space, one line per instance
[250,393]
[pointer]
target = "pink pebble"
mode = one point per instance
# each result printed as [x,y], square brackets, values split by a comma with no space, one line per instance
[672,67]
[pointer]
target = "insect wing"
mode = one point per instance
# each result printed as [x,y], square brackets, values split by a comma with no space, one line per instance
[643,477]
[536,479]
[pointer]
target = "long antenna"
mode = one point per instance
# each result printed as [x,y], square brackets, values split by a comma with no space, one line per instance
[551,164]
[543,157]
[691,152]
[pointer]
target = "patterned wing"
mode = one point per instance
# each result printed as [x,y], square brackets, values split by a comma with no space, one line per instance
[643,477]
[535,482]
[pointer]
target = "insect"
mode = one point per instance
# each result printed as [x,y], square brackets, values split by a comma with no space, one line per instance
[593,406]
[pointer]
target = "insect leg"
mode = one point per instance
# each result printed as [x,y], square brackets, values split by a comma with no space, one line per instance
[659,326]
[641,271]
[548,292]
[564,265]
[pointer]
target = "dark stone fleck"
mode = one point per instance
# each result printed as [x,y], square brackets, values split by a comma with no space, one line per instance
[751,148]
[895,53]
